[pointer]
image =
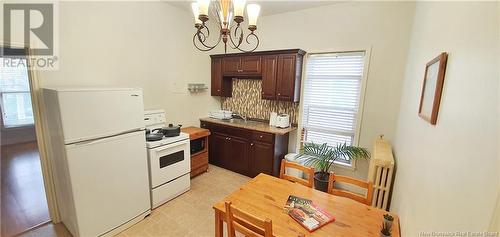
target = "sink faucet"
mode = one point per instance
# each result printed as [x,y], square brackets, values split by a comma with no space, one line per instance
[235,115]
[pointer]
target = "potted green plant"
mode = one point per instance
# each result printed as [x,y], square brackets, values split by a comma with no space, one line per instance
[322,157]
[386,230]
[388,219]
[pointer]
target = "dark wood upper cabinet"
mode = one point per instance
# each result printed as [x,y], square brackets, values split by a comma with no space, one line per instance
[280,71]
[281,77]
[286,78]
[219,86]
[251,65]
[269,74]
[241,65]
[216,82]
[231,65]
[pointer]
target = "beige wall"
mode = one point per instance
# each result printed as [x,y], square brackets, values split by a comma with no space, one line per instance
[134,44]
[382,26]
[447,175]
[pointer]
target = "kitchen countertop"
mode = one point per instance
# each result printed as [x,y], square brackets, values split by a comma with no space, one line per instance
[251,125]
[195,132]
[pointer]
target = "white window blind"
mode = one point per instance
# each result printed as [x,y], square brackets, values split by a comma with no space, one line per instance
[15,95]
[331,97]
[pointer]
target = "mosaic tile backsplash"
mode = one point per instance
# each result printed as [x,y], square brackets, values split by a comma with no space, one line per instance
[247,101]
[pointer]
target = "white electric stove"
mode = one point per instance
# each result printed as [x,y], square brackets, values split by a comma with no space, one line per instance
[167,140]
[169,162]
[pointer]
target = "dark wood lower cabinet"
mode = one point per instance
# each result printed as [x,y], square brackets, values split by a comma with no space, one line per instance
[261,155]
[237,157]
[245,151]
[216,155]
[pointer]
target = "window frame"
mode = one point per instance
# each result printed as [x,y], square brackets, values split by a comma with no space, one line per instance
[361,99]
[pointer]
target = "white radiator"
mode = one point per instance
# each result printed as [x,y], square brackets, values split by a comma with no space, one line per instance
[381,172]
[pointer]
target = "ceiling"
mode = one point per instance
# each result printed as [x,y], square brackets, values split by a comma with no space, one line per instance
[268,7]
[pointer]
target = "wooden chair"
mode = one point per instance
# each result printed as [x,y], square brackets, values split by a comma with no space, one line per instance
[245,223]
[343,193]
[307,170]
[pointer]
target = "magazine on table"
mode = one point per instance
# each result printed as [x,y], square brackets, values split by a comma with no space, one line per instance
[307,213]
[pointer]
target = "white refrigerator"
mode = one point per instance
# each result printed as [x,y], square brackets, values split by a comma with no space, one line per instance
[99,158]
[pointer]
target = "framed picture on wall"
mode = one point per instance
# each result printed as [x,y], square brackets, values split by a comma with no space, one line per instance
[432,88]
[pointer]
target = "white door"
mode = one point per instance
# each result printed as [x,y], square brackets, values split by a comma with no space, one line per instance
[109,179]
[91,113]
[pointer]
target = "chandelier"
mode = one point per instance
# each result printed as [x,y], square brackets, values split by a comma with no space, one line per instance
[230,33]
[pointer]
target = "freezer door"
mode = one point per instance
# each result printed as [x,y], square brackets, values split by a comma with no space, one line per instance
[109,180]
[91,114]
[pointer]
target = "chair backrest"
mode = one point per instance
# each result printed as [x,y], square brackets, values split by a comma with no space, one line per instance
[308,170]
[343,193]
[245,223]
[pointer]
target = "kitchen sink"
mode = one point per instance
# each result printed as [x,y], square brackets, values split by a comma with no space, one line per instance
[243,122]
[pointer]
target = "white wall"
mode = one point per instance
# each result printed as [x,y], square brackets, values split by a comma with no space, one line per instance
[447,175]
[382,26]
[134,44]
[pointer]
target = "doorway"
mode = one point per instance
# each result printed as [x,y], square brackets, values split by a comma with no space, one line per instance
[23,200]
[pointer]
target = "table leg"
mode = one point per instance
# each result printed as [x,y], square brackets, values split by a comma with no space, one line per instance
[218,224]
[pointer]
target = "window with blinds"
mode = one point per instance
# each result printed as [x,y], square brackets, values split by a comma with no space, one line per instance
[332,90]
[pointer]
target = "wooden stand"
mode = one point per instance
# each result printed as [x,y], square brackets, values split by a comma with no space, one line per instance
[199,160]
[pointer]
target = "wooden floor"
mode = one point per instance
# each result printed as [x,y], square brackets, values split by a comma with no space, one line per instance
[23,201]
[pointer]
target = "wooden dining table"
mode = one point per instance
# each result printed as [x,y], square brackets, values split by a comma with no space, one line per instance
[265,196]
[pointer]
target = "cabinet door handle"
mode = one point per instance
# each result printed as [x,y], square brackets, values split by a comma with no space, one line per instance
[251,144]
[239,70]
[279,94]
[229,138]
[218,90]
[260,136]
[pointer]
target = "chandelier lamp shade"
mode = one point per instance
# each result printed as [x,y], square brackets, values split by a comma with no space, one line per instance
[231,33]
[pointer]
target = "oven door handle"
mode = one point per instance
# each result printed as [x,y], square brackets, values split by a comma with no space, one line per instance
[175,144]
